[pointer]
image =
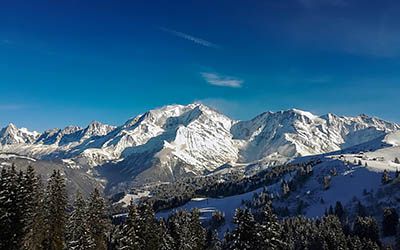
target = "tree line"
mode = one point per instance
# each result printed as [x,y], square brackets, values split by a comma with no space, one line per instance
[37,216]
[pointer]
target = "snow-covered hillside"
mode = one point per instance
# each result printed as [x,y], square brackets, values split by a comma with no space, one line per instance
[355,178]
[176,140]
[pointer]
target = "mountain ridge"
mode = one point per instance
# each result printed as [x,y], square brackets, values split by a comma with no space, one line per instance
[181,140]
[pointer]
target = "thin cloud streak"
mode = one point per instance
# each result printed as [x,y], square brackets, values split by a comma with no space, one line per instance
[223,81]
[317,3]
[7,107]
[191,38]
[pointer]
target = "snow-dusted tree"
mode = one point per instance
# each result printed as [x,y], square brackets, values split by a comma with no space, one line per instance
[396,160]
[149,228]
[55,212]
[327,182]
[246,235]
[34,226]
[98,220]
[366,228]
[285,188]
[78,234]
[390,221]
[385,177]
[354,243]
[198,233]
[270,229]
[186,230]
[12,209]
[167,242]
[8,216]
[128,238]
[332,232]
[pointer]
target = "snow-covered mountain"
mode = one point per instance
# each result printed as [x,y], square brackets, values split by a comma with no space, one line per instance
[13,135]
[177,140]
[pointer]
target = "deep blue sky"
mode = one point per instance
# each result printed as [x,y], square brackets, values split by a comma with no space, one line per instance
[73,61]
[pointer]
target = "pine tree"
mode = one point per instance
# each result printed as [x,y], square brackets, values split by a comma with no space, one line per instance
[366,228]
[198,233]
[354,243]
[167,242]
[327,182]
[332,232]
[98,221]
[149,232]
[78,234]
[128,238]
[396,160]
[385,177]
[390,221]
[339,210]
[270,229]
[186,230]
[212,241]
[285,188]
[11,224]
[55,215]
[361,210]
[246,234]
[34,231]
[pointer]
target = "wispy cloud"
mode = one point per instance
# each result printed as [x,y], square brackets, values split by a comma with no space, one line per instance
[191,38]
[220,80]
[7,107]
[317,3]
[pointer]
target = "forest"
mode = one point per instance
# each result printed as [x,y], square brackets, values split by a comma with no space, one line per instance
[37,214]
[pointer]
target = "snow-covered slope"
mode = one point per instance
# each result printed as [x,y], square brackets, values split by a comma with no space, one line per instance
[294,133]
[176,140]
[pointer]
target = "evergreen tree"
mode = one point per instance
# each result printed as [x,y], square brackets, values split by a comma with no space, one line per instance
[212,241]
[354,243]
[361,210]
[339,210]
[34,231]
[55,215]
[390,221]
[11,223]
[385,177]
[285,188]
[197,231]
[98,221]
[270,229]
[332,232]
[127,238]
[78,234]
[246,234]
[167,242]
[186,230]
[327,182]
[366,228]
[149,232]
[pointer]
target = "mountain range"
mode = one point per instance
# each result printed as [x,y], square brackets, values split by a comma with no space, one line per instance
[176,140]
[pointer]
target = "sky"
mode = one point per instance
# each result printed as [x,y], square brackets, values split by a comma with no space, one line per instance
[73,61]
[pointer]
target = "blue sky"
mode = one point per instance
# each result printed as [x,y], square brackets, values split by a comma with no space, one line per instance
[70,62]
